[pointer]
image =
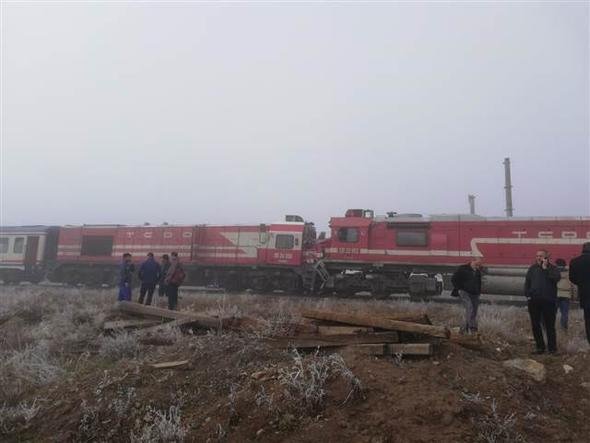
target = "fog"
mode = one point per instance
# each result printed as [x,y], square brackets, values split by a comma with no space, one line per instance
[203,113]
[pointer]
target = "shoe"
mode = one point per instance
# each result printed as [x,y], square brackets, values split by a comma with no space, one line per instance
[553,351]
[538,351]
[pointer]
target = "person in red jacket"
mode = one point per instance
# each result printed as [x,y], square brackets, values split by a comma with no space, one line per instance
[174,278]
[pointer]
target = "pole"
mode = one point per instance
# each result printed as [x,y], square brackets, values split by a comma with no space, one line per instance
[508,187]
[471,199]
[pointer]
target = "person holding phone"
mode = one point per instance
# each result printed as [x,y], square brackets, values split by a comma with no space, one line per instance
[540,289]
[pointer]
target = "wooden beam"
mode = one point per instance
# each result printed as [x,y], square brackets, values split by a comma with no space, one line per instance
[412,318]
[327,341]
[195,319]
[399,316]
[169,364]
[376,350]
[202,321]
[395,348]
[128,324]
[378,322]
[182,324]
[339,330]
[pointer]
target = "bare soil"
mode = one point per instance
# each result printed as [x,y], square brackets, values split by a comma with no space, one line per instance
[232,388]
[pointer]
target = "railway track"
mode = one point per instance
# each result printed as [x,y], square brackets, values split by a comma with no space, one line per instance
[445,298]
[500,300]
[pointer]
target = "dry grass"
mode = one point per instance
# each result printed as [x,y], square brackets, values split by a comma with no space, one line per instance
[306,379]
[49,334]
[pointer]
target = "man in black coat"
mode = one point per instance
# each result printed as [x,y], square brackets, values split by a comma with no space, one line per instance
[467,282]
[149,274]
[540,289]
[580,276]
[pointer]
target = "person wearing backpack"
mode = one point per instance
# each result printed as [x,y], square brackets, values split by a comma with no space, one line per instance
[174,279]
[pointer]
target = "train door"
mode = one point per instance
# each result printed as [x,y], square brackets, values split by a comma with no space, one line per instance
[263,243]
[31,251]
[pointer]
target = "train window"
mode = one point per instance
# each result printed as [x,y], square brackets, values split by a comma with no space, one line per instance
[348,235]
[411,238]
[19,245]
[284,241]
[3,245]
[97,245]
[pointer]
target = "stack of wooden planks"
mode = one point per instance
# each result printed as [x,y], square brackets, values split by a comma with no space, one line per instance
[374,335]
[385,334]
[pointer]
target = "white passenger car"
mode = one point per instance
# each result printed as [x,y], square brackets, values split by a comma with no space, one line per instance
[26,251]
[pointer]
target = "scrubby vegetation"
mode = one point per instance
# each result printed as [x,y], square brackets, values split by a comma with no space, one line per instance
[62,378]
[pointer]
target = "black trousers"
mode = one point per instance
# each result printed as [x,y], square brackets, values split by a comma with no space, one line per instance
[542,312]
[172,294]
[161,289]
[148,288]
[587,322]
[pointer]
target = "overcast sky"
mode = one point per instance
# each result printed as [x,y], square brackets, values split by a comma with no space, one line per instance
[200,113]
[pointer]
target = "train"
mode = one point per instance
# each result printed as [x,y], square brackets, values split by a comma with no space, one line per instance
[364,252]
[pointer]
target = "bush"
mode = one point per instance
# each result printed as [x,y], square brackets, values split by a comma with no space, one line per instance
[162,426]
[119,346]
[29,367]
[305,381]
[10,417]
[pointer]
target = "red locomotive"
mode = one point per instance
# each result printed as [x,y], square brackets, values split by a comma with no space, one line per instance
[395,253]
[262,257]
[409,252]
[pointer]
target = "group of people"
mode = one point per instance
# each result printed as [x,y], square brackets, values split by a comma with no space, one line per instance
[168,275]
[548,288]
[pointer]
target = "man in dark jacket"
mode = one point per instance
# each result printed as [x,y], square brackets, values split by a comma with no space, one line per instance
[467,281]
[149,274]
[540,289]
[580,276]
[164,265]
[126,270]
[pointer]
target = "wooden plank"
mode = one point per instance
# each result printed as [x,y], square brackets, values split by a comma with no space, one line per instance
[202,321]
[196,319]
[409,348]
[128,324]
[379,322]
[339,330]
[327,341]
[412,318]
[377,350]
[396,348]
[399,316]
[472,341]
[184,323]
[169,364]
